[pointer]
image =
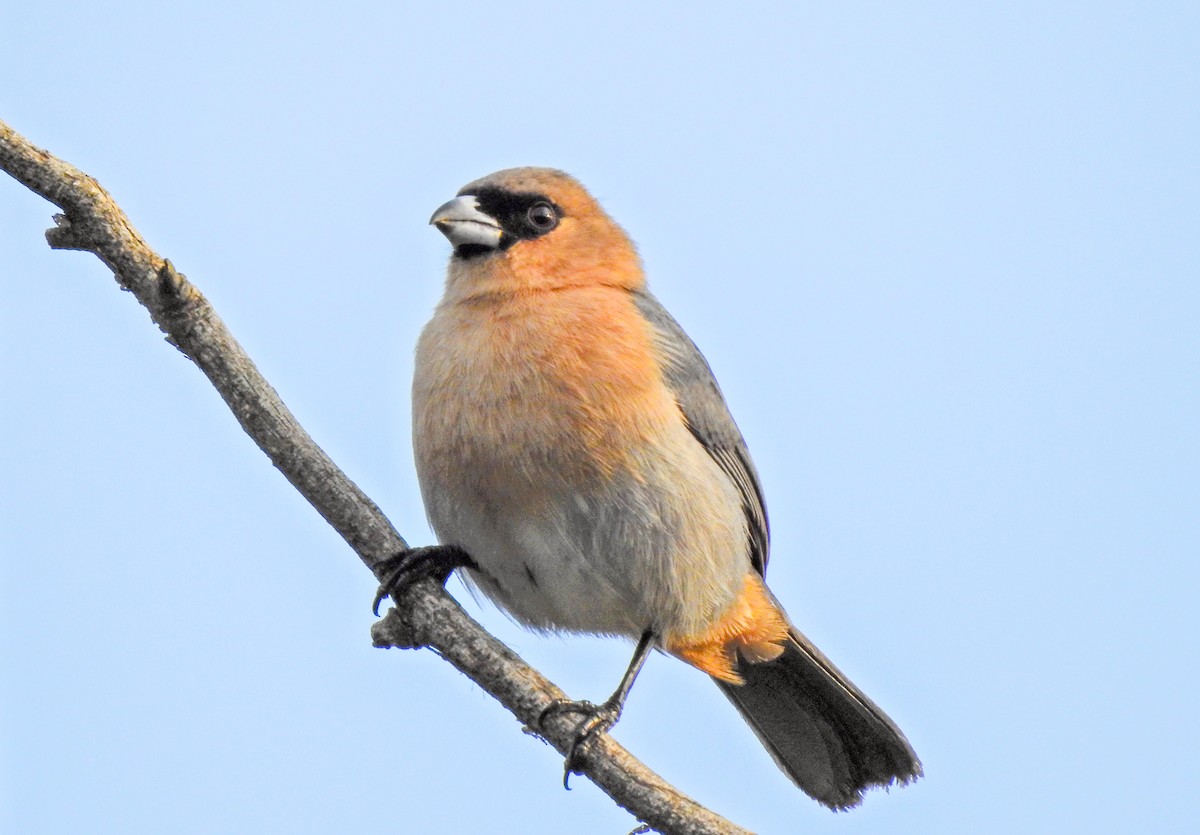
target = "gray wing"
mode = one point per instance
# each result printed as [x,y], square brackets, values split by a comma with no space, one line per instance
[703,406]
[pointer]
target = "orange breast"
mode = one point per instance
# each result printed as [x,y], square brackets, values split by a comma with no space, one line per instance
[569,376]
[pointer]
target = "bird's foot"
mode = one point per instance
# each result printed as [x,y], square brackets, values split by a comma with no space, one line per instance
[407,567]
[597,718]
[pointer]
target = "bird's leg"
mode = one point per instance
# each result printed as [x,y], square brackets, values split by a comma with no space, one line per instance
[601,717]
[407,567]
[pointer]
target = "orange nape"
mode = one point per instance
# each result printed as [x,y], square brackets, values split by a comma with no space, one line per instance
[752,626]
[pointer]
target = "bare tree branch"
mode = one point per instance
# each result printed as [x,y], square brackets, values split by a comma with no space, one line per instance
[426,616]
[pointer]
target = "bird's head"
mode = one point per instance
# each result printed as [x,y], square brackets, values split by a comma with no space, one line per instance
[533,228]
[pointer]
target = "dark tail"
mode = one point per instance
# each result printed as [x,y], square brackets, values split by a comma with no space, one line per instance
[822,730]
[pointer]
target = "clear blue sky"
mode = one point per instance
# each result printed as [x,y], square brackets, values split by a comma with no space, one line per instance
[943,259]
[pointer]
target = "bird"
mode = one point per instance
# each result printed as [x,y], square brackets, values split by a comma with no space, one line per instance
[581,469]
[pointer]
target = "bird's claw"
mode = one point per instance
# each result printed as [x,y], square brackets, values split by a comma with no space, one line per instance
[407,567]
[598,718]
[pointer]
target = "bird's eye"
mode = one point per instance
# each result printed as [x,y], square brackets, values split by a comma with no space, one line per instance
[542,217]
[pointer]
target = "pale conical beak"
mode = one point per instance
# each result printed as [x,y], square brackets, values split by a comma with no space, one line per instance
[461,221]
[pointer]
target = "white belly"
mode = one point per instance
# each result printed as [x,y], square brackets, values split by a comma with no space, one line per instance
[667,552]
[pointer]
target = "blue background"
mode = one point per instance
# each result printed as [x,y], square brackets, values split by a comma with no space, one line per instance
[942,257]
